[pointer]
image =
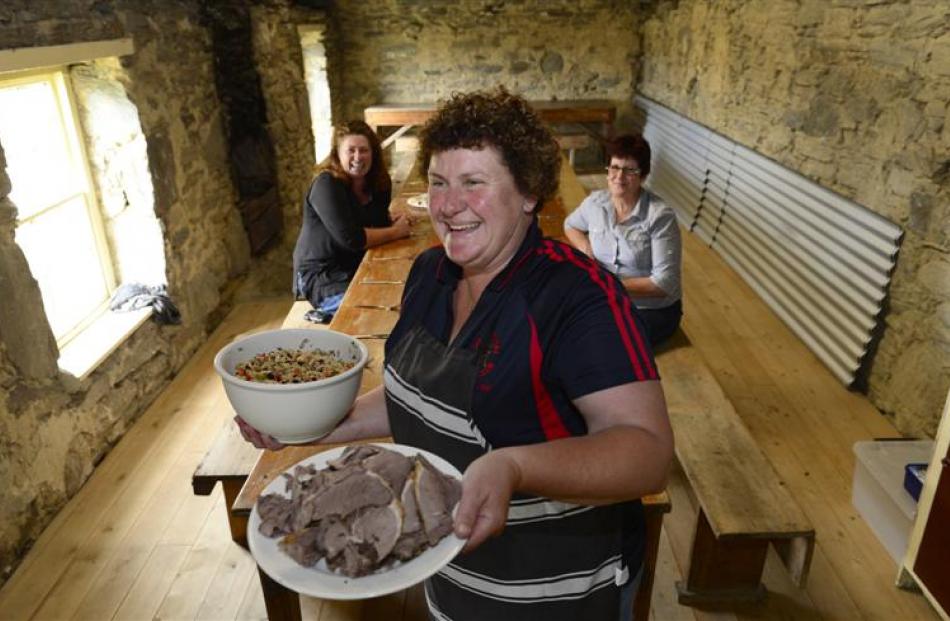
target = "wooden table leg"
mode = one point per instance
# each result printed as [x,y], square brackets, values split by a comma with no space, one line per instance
[238,523]
[641,602]
[723,571]
[796,553]
[282,604]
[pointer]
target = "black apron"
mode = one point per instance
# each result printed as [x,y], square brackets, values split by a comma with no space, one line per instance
[554,561]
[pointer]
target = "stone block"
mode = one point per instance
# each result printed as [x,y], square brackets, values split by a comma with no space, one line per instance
[864,177]
[902,182]
[818,150]
[938,61]
[810,14]
[552,62]
[519,66]
[860,107]
[400,52]
[775,140]
[934,277]
[161,161]
[24,330]
[817,171]
[879,20]
[921,208]
[942,322]
[892,53]
[78,464]
[910,121]
[920,378]
[821,118]
[837,24]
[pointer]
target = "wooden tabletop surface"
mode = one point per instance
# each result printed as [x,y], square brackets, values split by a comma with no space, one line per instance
[559,111]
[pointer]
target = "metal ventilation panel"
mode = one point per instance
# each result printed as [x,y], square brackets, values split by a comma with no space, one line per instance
[821,262]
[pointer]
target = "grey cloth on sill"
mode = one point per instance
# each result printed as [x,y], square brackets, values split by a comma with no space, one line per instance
[133,296]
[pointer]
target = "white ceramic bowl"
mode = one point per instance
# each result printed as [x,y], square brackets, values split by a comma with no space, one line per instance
[293,413]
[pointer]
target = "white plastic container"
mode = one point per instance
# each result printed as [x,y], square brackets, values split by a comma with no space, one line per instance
[878,490]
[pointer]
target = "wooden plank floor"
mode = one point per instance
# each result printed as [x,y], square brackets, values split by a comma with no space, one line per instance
[135,543]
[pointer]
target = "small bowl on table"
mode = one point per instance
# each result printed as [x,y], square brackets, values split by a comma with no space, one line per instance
[293,413]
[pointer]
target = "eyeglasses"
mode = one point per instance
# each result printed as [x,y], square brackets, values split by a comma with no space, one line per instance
[627,172]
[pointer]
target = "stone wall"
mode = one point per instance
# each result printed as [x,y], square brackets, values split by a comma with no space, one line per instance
[54,428]
[279,62]
[117,155]
[854,95]
[401,51]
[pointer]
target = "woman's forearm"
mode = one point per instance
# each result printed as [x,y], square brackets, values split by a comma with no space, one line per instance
[379,236]
[643,287]
[578,239]
[400,228]
[626,454]
[616,464]
[367,419]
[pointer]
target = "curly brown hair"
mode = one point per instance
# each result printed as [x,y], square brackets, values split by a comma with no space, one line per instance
[378,177]
[501,120]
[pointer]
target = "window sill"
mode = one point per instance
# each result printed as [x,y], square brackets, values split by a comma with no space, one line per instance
[83,354]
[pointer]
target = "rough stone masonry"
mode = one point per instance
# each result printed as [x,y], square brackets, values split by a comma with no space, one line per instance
[855,96]
[852,94]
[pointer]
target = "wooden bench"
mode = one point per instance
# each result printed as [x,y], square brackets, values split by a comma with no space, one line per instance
[594,116]
[572,142]
[744,506]
[228,461]
[230,458]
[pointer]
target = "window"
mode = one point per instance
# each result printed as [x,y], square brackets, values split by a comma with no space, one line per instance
[59,226]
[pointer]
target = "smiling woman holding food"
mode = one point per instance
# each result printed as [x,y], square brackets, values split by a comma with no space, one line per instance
[346,211]
[522,362]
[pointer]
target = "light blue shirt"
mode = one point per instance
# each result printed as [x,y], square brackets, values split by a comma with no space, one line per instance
[645,243]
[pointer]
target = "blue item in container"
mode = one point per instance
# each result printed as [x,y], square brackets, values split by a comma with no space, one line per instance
[914,475]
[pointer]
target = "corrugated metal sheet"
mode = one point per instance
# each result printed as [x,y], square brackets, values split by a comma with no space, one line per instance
[822,262]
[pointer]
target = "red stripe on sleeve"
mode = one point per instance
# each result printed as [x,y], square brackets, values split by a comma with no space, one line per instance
[638,336]
[551,423]
[636,353]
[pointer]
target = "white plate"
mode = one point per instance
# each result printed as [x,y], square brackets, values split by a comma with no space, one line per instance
[319,581]
[419,201]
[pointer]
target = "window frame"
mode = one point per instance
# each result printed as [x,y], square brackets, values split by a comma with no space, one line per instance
[65,100]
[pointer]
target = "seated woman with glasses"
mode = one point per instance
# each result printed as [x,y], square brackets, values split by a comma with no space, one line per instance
[633,234]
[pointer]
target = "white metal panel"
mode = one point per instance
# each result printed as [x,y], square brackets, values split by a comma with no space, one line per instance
[818,221]
[819,275]
[812,243]
[822,262]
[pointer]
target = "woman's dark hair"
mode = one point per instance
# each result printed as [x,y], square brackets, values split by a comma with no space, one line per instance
[378,177]
[631,146]
[501,120]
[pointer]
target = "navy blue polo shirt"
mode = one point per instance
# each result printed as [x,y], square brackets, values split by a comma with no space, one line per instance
[551,327]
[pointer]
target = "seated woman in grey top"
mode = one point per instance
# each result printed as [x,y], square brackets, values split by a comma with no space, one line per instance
[633,234]
[345,211]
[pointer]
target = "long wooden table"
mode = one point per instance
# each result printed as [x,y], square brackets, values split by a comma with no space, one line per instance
[594,116]
[368,312]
